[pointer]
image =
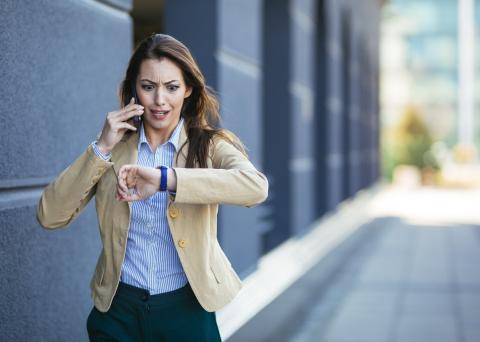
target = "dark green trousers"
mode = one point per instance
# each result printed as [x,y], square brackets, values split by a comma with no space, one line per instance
[135,315]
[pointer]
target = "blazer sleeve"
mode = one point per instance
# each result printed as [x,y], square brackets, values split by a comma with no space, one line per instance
[232,180]
[64,198]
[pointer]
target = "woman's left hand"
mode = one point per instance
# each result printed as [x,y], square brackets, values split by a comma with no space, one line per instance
[137,182]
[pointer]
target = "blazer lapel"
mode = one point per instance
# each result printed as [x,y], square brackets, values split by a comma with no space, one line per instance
[126,152]
[180,158]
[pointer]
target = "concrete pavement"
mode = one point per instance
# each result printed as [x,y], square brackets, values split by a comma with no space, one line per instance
[409,274]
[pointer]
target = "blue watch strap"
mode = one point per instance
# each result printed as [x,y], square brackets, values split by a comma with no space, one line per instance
[163,178]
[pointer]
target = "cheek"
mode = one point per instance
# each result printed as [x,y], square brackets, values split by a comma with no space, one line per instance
[144,97]
[177,101]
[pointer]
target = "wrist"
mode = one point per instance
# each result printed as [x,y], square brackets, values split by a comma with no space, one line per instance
[172,180]
[103,149]
[98,152]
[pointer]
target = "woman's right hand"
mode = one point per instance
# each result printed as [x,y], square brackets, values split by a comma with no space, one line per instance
[116,125]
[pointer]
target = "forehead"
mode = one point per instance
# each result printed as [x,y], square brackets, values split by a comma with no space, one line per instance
[162,70]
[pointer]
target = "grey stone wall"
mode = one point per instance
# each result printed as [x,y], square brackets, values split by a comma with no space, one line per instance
[61,62]
[351,91]
[301,88]
[239,64]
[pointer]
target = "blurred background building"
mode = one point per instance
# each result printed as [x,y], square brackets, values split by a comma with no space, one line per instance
[429,76]
[298,81]
[419,63]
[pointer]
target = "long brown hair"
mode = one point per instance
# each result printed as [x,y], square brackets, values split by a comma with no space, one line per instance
[200,110]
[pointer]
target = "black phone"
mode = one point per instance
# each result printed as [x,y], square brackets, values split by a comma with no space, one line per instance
[137,119]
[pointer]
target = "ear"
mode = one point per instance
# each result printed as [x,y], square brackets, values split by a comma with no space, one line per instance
[188,92]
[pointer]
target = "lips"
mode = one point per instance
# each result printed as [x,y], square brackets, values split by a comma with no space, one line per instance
[160,114]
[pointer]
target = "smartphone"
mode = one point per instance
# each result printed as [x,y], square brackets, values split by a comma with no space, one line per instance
[137,119]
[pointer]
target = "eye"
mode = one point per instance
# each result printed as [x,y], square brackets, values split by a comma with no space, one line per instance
[147,87]
[172,88]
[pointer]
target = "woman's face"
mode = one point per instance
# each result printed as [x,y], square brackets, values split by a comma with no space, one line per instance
[161,90]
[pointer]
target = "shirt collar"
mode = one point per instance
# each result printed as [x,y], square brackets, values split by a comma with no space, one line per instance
[174,138]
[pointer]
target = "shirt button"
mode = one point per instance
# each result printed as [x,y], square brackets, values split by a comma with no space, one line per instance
[173,212]
[182,243]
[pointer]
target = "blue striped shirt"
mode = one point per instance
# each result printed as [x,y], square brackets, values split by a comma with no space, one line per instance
[151,260]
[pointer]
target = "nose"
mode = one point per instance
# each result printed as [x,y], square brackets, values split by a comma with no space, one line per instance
[160,97]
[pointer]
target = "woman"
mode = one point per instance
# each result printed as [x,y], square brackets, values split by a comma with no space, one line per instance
[161,274]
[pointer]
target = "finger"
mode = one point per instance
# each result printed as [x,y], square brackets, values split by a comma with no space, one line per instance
[128,174]
[120,116]
[123,186]
[118,197]
[123,198]
[129,104]
[121,194]
[122,189]
[122,181]
[128,114]
[132,109]
[133,104]
[132,179]
[129,198]
[124,125]
[126,168]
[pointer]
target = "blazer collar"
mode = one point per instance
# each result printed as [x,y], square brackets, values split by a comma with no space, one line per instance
[125,152]
[180,158]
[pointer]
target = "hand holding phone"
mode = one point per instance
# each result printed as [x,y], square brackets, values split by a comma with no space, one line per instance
[137,119]
[116,124]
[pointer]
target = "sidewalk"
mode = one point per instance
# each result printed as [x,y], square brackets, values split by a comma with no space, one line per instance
[409,274]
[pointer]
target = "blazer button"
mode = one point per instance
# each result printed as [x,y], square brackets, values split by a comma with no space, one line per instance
[173,212]
[182,243]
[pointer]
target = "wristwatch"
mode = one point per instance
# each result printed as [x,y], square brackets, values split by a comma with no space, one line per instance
[163,177]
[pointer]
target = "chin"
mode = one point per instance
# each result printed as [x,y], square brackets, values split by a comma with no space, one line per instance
[160,125]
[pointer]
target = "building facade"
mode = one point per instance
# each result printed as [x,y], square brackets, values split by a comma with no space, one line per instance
[297,81]
[420,64]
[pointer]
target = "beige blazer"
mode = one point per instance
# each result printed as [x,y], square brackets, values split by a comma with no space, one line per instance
[192,214]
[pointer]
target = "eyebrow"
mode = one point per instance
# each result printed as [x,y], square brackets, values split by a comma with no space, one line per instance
[168,82]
